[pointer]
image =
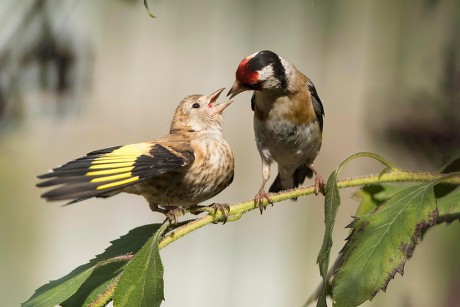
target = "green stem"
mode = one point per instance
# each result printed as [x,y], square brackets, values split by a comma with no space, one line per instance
[146,4]
[370,155]
[238,209]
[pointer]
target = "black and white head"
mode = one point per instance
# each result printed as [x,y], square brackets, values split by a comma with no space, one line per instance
[262,70]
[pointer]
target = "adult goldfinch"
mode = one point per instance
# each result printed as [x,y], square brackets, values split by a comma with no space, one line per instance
[288,120]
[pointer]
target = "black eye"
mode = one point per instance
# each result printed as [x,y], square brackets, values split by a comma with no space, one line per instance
[196,105]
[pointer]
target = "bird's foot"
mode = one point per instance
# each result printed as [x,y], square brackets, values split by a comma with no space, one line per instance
[223,208]
[320,185]
[174,214]
[259,200]
[212,209]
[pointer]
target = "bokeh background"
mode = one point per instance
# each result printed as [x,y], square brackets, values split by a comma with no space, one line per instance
[79,75]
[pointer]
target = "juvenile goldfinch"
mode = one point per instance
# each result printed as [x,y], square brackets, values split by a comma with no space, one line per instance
[189,165]
[288,120]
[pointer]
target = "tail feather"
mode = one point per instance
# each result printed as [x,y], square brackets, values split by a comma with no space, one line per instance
[276,185]
[301,173]
[77,192]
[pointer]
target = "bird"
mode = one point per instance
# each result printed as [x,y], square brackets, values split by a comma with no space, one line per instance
[179,170]
[288,120]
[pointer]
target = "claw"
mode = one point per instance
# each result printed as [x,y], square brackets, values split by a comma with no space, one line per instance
[223,208]
[320,185]
[259,200]
[173,214]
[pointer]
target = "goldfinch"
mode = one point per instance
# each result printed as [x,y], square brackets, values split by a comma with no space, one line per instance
[288,120]
[188,166]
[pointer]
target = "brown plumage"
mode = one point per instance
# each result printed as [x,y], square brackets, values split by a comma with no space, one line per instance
[288,120]
[189,165]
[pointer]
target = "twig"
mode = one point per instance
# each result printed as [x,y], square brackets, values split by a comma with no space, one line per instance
[238,209]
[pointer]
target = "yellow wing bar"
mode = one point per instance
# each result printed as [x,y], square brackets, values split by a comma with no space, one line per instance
[117,165]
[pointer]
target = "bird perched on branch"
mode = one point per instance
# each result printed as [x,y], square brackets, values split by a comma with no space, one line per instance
[288,120]
[189,165]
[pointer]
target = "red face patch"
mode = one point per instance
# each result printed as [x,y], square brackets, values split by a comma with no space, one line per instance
[244,75]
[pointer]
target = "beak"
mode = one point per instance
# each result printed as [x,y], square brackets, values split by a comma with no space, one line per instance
[236,89]
[217,108]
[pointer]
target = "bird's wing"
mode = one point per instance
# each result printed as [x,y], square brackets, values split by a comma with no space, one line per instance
[317,104]
[107,171]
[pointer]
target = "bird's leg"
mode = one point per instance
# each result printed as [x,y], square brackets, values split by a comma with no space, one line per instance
[320,185]
[261,195]
[171,215]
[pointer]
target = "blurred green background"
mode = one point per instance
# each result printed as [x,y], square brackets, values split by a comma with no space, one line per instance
[76,76]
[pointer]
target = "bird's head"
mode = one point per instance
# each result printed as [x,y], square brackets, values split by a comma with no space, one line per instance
[199,113]
[259,71]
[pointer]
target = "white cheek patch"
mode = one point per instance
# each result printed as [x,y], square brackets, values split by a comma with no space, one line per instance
[266,75]
[265,72]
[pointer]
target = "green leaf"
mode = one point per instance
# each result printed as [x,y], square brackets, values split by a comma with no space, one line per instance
[106,296]
[380,243]
[141,283]
[368,202]
[59,290]
[98,282]
[91,279]
[449,207]
[373,196]
[331,203]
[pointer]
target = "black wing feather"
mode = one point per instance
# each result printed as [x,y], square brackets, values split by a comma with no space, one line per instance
[253,101]
[317,104]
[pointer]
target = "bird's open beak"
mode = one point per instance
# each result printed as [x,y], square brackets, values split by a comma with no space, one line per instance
[236,89]
[217,108]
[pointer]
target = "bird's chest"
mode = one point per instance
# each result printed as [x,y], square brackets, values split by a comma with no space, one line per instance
[280,135]
[280,132]
[213,166]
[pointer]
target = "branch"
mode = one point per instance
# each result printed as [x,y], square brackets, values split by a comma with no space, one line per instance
[238,209]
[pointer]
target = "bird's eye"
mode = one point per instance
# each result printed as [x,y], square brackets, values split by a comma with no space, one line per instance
[196,105]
